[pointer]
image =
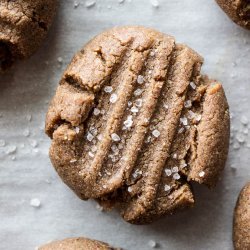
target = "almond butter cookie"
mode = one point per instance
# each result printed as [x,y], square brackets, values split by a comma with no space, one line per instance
[241,234]
[77,244]
[237,10]
[133,122]
[23,26]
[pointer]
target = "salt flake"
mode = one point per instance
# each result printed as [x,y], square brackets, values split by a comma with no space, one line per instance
[108,89]
[156,133]
[115,137]
[113,98]
[140,79]
[201,174]
[35,202]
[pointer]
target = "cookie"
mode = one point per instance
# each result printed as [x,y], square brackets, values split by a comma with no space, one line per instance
[23,26]
[77,244]
[133,122]
[241,230]
[238,11]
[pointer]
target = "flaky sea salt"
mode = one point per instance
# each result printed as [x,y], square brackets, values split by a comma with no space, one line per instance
[236,145]
[155,3]
[138,102]
[193,85]
[156,133]
[11,149]
[99,207]
[198,117]
[168,172]
[152,243]
[134,109]
[26,132]
[167,188]
[138,92]
[129,122]
[183,165]
[33,143]
[76,4]
[188,104]
[240,138]
[60,59]
[175,169]
[130,104]
[99,137]
[202,174]
[97,111]
[90,3]
[129,189]
[115,149]
[90,137]
[94,148]
[77,129]
[35,202]
[174,156]
[152,53]
[91,154]
[181,130]
[108,89]
[115,137]
[184,121]
[191,114]
[176,176]
[140,79]
[113,98]
[244,120]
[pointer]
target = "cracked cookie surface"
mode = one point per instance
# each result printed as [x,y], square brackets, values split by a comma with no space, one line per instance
[237,10]
[133,122]
[23,26]
[241,231]
[79,243]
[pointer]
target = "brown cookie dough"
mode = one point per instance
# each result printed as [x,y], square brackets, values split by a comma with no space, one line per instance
[23,26]
[241,231]
[77,244]
[237,10]
[133,122]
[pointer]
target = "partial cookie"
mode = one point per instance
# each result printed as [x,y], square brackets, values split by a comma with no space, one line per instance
[241,231]
[23,26]
[237,10]
[133,122]
[77,244]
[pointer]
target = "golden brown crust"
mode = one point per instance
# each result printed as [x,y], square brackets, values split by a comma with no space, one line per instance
[79,243]
[237,10]
[23,26]
[133,121]
[241,230]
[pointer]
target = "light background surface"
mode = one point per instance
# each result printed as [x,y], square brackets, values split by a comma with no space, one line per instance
[27,173]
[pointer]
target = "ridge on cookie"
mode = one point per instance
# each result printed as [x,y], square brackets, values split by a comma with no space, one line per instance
[133,122]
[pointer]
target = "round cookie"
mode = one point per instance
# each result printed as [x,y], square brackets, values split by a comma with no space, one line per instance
[241,230]
[77,244]
[133,122]
[237,10]
[23,26]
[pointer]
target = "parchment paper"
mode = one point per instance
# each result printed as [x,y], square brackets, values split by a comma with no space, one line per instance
[26,172]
